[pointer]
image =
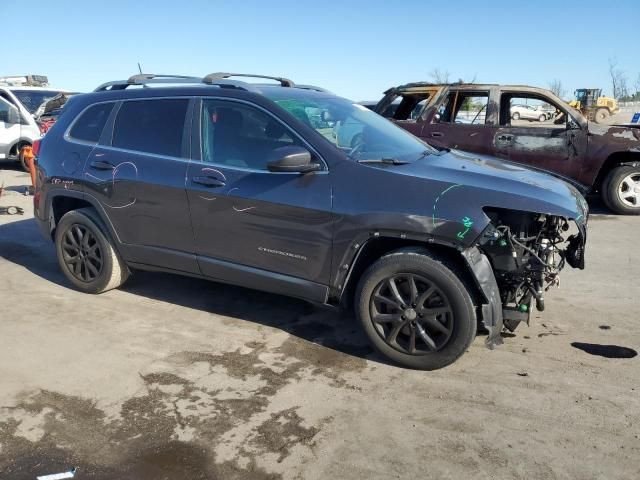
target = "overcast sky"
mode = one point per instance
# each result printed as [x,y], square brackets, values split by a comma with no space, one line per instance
[356,49]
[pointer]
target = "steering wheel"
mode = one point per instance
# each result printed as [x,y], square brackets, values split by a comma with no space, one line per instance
[560,119]
[357,145]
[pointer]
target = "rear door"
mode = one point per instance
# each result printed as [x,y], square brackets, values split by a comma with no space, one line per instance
[137,173]
[247,216]
[463,120]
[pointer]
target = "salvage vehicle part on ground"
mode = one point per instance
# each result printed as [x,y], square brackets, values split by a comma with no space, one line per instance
[425,243]
[604,159]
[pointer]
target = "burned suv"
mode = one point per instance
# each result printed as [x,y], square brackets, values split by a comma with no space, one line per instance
[527,125]
[244,183]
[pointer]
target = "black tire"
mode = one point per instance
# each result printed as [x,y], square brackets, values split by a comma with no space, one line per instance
[97,266]
[542,118]
[428,272]
[612,190]
[515,116]
[601,115]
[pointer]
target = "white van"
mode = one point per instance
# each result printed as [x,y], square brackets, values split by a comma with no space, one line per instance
[18,127]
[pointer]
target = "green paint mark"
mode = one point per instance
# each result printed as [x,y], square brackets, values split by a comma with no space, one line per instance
[467,222]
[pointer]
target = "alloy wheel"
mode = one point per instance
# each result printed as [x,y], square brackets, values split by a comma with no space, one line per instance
[629,190]
[82,253]
[411,314]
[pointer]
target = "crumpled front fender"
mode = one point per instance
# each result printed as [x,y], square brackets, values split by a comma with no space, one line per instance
[485,279]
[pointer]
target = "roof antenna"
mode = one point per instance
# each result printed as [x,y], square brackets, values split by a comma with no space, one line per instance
[139,68]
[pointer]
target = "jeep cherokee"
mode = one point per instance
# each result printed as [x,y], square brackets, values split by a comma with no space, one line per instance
[231,181]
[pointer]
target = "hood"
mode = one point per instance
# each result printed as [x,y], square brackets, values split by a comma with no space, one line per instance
[486,181]
[52,104]
[624,134]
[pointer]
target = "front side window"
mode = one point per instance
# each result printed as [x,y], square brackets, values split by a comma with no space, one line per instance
[151,126]
[522,110]
[464,108]
[5,108]
[238,135]
[354,129]
[89,126]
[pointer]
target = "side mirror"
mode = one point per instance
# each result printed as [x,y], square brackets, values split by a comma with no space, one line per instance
[291,159]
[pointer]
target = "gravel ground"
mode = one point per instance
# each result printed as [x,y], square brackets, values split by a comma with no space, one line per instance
[177,378]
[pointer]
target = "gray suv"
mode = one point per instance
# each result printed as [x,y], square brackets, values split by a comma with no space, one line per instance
[231,181]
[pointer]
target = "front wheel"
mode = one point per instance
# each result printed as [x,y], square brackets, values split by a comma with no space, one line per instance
[86,255]
[542,118]
[601,116]
[621,190]
[515,116]
[415,310]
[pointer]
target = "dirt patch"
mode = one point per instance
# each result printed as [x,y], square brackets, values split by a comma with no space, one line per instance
[147,439]
[282,431]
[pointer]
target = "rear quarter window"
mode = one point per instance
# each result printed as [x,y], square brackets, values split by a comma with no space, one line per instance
[88,127]
[151,126]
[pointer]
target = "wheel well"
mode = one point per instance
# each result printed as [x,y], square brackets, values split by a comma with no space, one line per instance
[15,149]
[61,205]
[614,160]
[375,248]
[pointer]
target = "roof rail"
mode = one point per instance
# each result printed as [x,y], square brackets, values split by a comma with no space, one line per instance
[220,79]
[142,78]
[217,76]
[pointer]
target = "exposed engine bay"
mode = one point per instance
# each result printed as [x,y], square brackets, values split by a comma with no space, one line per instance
[527,251]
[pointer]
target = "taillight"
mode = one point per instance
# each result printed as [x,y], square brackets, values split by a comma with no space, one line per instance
[36,147]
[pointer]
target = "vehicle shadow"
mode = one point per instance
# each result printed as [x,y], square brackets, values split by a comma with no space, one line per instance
[598,210]
[21,243]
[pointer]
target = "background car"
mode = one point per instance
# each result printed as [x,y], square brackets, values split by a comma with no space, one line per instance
[527,112]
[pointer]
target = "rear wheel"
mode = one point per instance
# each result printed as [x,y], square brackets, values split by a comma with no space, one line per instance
[542,118]
[515,116]
[415,310]
[601,115]
[621,190]
[86,255]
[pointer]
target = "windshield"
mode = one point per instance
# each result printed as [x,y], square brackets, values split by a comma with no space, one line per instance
[32,99]
[354,129]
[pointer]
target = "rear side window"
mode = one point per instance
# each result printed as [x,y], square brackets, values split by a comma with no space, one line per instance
[90,124]
[151,126]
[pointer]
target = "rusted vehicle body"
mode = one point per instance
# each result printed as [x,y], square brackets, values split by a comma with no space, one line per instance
[478,118]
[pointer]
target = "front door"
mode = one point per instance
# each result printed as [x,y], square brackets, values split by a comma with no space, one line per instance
[138,176]
[244,215]
[10,129]
[537,133]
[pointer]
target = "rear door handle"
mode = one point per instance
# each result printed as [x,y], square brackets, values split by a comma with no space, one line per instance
[208,181]
[101,165]
[437,134]
[505,138]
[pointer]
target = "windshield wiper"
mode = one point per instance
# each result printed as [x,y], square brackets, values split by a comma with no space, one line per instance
[386,161]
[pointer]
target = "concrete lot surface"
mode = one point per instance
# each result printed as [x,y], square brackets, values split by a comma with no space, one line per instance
[177,378]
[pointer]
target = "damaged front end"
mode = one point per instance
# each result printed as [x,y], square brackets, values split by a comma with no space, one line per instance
[525,252]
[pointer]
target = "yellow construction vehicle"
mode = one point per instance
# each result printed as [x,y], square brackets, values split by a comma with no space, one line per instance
[593,105]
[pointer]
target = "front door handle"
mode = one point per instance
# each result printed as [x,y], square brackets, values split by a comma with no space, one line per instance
[505,138]
[101,165]
[437,134]
[208,181]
